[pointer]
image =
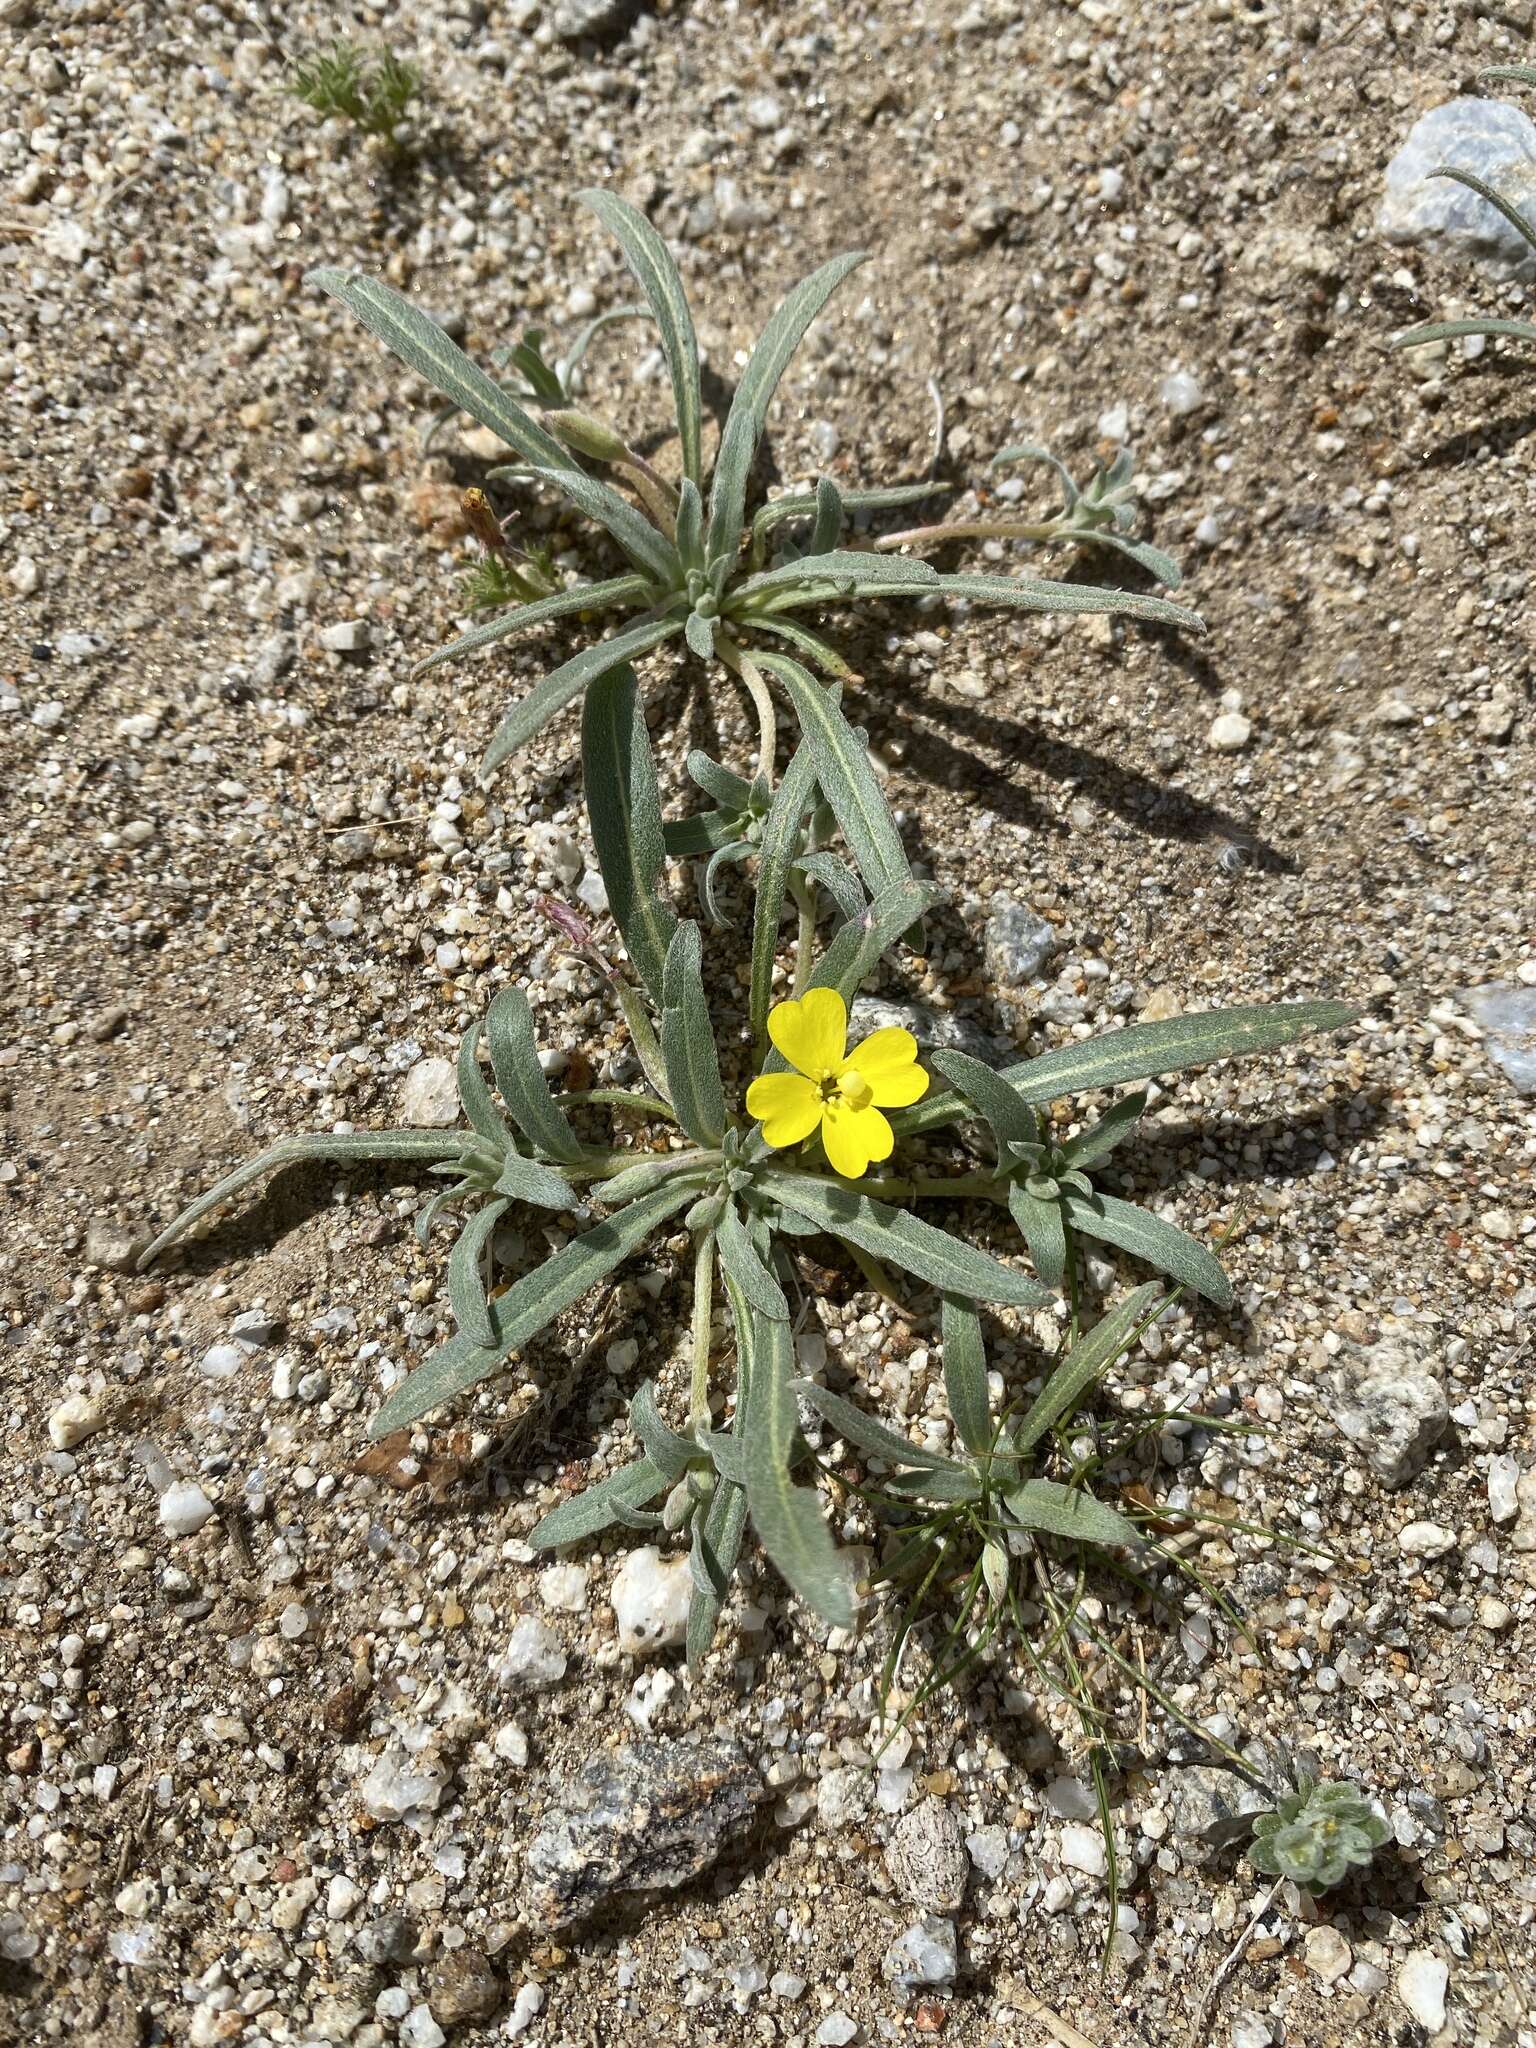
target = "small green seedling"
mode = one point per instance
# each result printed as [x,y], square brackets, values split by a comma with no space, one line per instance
[1317,1834]
[373,94]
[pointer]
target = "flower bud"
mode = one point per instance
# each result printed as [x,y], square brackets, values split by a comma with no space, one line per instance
[588,436]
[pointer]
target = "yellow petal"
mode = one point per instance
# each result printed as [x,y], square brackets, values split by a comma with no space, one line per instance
[788,1105]
[888,1061]
[853,1137]
[810,1033]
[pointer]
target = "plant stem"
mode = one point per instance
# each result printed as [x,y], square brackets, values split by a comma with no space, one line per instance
[643,1035]
[967,529]
[805,931]
[660,498]
[753,681]
[703,1310]
[1072,1295]
[970,1187]
[623,1098]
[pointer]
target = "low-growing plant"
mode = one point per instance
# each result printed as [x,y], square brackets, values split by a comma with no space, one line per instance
[1484,325]
[747,1188]
[701,569]
[503,576]
[1316,1834]
[373,93]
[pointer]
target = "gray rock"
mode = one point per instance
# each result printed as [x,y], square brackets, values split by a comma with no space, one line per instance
[347,636]
[1507,1018]
[1389,1401]
[461,1985]
[934,1030]
[572,19]
[1497,143]
[926,1857]
[112,1246]
[1209,1807]
[430,1094]
[648,1817]
[389,1939]
[924,1958]
[1018,942]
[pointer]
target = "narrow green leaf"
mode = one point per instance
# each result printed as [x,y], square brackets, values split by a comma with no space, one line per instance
[557,689]
[1091,1147]
[688,1040]
[1141,552]
[839,881]
[1453,330]
[699,633]
[850,572]
[413,1146]
[645,1174]
[717,1547]
[802,504]
[423,347]
[788,1518]
[740,1260]
[1035,594]
[730,790]
[1044,1230]
[867,1434]
[1067,1511]
[776,852]
[965,1373]
[690,526]
[1145,1236]
[1141,1052]
[1086,1363]
[466,1291]
[724,856]
[528,1180]
[754,394]
[705,832]
[595,1509]
[509,1030]
[1494,198]
[811,645]
[829,518]
[906,1240]
[650,262]
[1012,1119]
[846,775]
[668,1450]
[620,779]
[1025,451]
[528,1307]
[586,597]
[954,1482]
[650,550]
[475,1094]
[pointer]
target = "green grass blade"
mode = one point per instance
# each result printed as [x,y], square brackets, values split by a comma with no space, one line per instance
[754,394]
[528,1307]
[1145,1236]
[651,264]
[965,1373]
[776,852]
[1086,1363]
[648,548]
[514,1045]
[466,1294]
[617,591]
[632,1486]
[557,689]
[846,775]
[788,1518]
[413,1146]
[1142,1052]
[620,781]
[905,1240]
[688,1040]
[423,347]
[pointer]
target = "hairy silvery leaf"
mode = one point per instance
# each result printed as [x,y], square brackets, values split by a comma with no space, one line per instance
[475,1094]
[731,791]
[515,1062]
[668,1450]
[1093,1146]
[780,838]
[650,262]
[1012,1119]
[690,526]
[616,592]
[788,1518]
[644,1175]
[867,1434]
[839,881]
[1141,1052]
[746,1269]
[811,645]
[844,572]
[1044,1230]
[805,504]
[423,347]
[1145,1236]
[725,856]
[466,1290]
[705,832]
[716,1548]
[699,633]
[1035,594]
[965,1374]
[846,775]
[1054,1510]
[1090,1357]
[620,780]
[650,551]
[688,1040]
[829,518]
[557,689]
[598,1507]
[754,394]
[526,1308]
[917,1247]
[1454,330]
[417,1147]
[529,1180]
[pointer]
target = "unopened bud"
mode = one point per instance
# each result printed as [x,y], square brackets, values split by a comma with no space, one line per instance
[588,436]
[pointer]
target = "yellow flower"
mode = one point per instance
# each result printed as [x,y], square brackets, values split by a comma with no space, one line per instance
[837,1092]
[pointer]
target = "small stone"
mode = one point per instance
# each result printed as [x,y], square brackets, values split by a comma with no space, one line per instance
[1494,1615]
[563,1588]
[1390,1401]
[222,1361]
[1082,1848]
[1499,1225]
[430,1094]
[401,1784]
[184,1508]
[389,1939]
[934,1030]
[786,1985]
[926,1857]
[843,1796]
[1503,1481]
[1180,392]
[1507,1017]
[347,636]
[650,1598]
[24,576]
[1018,942]
[1425,1539]
[76,1417]
[1230,733]
[650,1816]
[572,19]
[836,2031]
[1421,1985]
[923,1958]
[113,1246]
[1497,143]
[1207,1809]
[420,2030]
[1329,1956]
[342,1897]
[533,1659]
[461,1985]
[763,113]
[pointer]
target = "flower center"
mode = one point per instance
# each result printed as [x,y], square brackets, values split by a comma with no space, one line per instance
[851,1085]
